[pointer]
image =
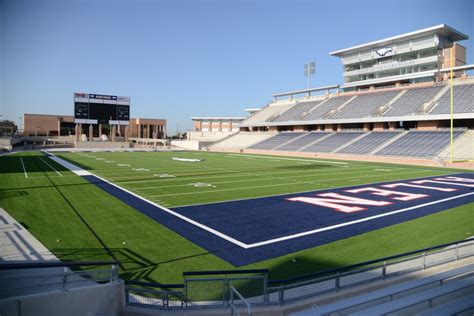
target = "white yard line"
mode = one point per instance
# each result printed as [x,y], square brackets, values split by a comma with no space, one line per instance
[294,159]
[24,169]
[50,166]
[258,176]
[276,185]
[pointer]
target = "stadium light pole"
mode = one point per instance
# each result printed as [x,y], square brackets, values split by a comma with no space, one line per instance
[309,70]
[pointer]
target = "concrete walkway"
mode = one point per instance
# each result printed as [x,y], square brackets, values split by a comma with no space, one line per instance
[17,244]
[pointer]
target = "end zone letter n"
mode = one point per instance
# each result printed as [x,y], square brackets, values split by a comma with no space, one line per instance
[336,201]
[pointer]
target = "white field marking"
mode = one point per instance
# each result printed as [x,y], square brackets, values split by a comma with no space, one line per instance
[24,169]
[294,159]
[267,186]
[314,231]
[256,176]
[50,166]
[262,243]
[210,230]
[241,174]
[324,187]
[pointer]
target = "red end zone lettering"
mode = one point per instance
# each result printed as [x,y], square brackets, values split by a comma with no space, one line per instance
[376,191]
[337,202]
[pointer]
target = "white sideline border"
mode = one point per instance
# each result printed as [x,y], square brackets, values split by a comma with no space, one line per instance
[81,172]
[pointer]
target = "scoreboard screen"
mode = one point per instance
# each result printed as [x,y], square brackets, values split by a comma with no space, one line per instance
[101,109]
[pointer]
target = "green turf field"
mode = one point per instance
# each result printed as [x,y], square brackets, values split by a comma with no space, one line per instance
[79,221]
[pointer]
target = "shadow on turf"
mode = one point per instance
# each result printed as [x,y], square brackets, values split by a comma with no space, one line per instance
[137,267]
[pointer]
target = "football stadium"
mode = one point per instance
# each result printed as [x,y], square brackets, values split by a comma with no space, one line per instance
[353,198]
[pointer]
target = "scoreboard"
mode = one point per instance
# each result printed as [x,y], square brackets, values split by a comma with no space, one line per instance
[101,109]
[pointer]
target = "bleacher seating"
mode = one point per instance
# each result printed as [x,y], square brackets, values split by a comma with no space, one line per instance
[449,291]
[369,143]
[296,111]
[268,113]
[324,107]
[332,142]
[463,100]
[242,140]
[409,102]
[276,140]
[419,144]
[301,142]
[365,104]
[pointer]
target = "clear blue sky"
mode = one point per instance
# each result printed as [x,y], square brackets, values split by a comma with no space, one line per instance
[178,59]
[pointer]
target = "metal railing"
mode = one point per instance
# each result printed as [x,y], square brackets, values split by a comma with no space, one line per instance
[22,278]
[335,280]
[220,289]
[233,306]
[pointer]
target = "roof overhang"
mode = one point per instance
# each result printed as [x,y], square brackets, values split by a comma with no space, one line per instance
[441,29]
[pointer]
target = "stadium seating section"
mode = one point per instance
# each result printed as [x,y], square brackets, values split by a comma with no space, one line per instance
[413,143]
[419,144]
[363,105]
[463,100]
[394,103]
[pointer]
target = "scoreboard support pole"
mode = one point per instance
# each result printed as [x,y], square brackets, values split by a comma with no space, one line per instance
[114,132]
[91,132]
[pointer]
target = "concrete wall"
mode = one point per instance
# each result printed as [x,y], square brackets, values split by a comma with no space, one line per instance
[186,144]
[107,299]
[101,145]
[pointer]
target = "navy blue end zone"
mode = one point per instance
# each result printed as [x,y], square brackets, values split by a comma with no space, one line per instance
[262,224]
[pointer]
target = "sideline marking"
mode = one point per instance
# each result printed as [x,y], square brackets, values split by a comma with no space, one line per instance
[24,169]
[50,166]
[310,232]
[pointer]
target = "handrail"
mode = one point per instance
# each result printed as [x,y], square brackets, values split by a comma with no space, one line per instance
[216,272]
[53,264]
[233,290]
[361,264]
[153,284]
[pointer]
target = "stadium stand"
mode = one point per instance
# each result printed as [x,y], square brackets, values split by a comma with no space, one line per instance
[449,290]
[326,107]
[269,112]
[333,142]
[242,140]
[419,144]
[299,143]
[363,105]
[463,100]
[412,100]
[296,112]
[276,141]
[369,143]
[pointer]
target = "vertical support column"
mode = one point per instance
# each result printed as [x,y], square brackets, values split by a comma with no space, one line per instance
[114,132]
[148,131]
[127,131]
[77,132]
[100,130]
[91,132]
[139,130]
[59,126]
